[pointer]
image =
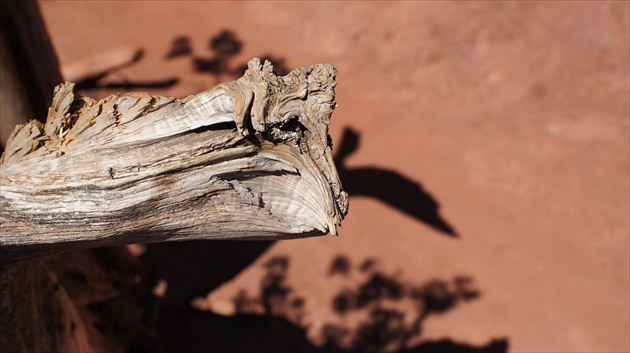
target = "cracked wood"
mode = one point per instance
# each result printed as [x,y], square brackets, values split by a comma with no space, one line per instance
[249,159]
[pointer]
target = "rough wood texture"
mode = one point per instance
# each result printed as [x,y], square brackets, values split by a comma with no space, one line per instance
[250,159]
[38,313]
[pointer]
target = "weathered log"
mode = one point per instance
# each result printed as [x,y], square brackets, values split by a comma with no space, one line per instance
[37,314]
[250,159]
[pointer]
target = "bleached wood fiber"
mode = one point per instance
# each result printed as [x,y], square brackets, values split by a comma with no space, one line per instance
[249,159]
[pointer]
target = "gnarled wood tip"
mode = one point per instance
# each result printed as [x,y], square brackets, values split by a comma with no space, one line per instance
[296,108]
[248,159]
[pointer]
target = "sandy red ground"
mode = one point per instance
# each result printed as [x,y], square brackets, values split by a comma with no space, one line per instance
[485,149]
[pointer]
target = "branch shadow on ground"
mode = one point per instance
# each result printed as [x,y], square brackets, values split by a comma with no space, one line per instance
[393,188]
[224,47]
[96,80]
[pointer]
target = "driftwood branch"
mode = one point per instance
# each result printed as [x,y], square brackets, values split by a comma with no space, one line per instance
[250,159]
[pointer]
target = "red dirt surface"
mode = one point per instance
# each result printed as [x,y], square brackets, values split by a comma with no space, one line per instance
[485,147]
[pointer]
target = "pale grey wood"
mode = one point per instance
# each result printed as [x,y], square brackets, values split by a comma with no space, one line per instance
[37,314]
[248,159]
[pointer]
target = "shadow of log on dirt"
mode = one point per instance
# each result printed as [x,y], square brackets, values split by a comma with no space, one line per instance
[273,320]
[395,189]
[195,268]
[206,331]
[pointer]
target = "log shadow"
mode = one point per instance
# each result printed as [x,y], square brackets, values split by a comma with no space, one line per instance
[272,321]
[195,268]
[392,188]
[186,270]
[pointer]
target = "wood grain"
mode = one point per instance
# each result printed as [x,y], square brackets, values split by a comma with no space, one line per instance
[249,159]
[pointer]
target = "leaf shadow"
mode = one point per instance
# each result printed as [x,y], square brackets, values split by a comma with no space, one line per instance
[224,48]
